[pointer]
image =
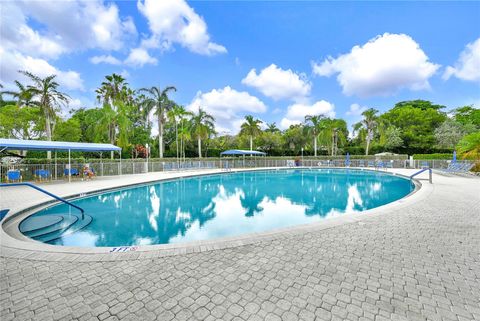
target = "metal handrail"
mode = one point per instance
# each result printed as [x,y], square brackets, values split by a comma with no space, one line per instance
[45,192]
[423,170]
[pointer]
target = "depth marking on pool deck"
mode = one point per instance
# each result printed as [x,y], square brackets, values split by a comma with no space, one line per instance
[119,249]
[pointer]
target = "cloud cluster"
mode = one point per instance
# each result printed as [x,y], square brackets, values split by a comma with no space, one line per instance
[67,26]
[173,22]
[296,113]
[467,66]
[382,66]
[12,62]
[356,110]
[226,104]
[107,59]
[277,83]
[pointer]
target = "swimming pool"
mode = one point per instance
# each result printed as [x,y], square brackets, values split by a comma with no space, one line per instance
[213,206]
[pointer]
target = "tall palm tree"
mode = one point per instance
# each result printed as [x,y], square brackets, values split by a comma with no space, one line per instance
[202,127]
[48,98]
[369,124]
[184,134]
[272,128]
[159,103]
[314,129]
[332,133]
[251,127]
[117,99]
[176,114]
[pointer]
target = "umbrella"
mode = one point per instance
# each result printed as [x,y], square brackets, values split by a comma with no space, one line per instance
[347,159]
[454,156]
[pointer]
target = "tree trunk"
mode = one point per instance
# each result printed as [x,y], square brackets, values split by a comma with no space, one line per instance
[160,137]
[251,143]
[333,142]
[368,145]
[111,134]
[48,131]
[199,147]
[176,137]
[315,145]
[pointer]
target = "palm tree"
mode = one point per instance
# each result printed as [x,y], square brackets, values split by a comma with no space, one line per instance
[48,98]
[176,114]
[184,134]
[117,99]
[23,95]
[368,124]
[314,129]
[332,133]
[251,127]
[272,128]
[159,103]
[202,127]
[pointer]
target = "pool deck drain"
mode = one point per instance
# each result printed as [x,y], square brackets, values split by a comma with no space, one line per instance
[415,260]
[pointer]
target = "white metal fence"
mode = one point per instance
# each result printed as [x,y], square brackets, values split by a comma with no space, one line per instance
[46,172]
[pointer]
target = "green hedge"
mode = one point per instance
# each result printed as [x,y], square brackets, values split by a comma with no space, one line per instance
[435,156]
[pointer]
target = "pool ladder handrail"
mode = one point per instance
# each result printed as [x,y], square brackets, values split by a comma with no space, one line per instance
[423,170]
[45,192]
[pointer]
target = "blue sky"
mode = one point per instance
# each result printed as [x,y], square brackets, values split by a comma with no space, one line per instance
[276,60]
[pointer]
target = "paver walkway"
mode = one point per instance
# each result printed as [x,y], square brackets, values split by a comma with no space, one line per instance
[415,263]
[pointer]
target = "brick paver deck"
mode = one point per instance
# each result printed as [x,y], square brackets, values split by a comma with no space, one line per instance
[417,262]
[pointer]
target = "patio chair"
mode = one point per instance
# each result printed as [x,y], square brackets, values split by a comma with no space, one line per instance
[71,171]
[42,174]
[371,164]
[13,175]
[361,163]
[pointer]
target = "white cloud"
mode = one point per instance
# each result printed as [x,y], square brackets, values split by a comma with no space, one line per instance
[296,113]
[12,62]
[277,83]
[286,123]
[356,110]
[467,66]
[139,57]
[107,59]
[226,105]
[175,21]
[66,26]
[382,66]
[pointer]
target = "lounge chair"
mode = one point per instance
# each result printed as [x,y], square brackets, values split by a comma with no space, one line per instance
[13,175]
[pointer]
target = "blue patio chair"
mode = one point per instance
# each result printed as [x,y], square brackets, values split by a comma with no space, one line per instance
[42,174]
[13,175]
[371,164]
[361,163]
[72,171]
[425,165]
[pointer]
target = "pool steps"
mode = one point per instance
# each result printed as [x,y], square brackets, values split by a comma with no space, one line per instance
[50,229]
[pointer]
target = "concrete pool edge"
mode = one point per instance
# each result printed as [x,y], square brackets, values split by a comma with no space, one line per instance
[15,246]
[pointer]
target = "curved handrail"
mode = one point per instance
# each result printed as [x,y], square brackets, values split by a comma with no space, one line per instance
[45,192]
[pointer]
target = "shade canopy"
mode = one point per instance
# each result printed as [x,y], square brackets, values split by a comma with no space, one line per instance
[242,152]
[19,144]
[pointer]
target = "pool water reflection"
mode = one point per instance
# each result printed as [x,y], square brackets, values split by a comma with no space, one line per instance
[230,204]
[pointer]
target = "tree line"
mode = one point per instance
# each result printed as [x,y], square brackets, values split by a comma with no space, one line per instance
[124,117]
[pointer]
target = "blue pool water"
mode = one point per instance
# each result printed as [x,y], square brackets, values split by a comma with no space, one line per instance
[214,206]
